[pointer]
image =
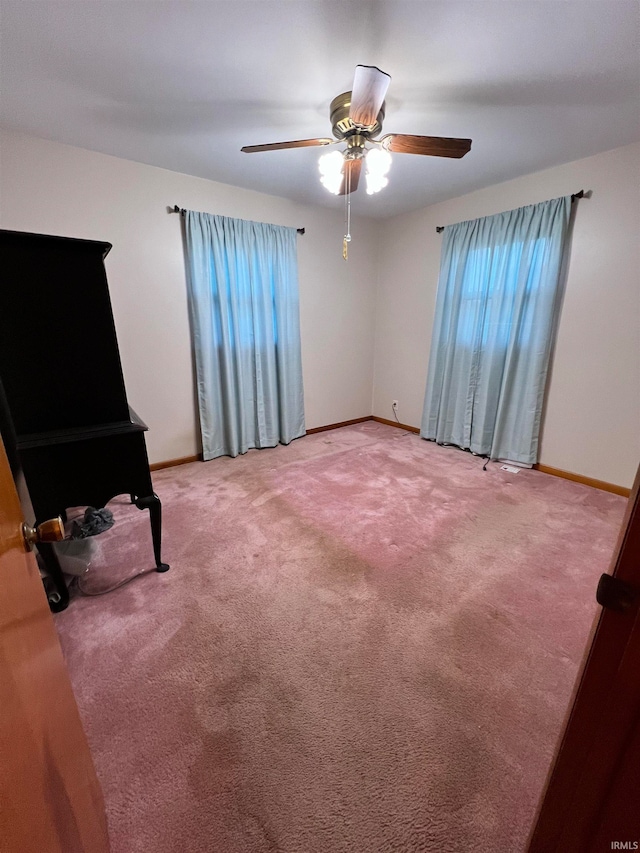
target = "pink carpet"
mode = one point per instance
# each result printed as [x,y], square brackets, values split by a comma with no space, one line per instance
[365,643]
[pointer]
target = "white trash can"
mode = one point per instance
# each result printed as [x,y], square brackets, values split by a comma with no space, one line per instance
[74,555]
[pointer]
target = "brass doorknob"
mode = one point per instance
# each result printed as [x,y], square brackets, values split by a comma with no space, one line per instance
[51,530]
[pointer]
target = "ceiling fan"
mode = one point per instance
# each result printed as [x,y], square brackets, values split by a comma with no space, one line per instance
[356,120]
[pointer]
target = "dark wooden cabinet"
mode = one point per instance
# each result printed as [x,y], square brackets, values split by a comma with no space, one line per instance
[78,441]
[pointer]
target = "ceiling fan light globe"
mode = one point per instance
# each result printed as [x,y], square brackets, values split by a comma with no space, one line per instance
[331,164]
[378,161]
[332,183]
[375,183]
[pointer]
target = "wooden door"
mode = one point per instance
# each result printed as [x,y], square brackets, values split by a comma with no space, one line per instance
[50,798]
[592,800]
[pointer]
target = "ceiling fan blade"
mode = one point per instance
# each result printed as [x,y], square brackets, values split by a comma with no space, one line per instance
[352,169]
[298,143]
[435,146]
[367,96]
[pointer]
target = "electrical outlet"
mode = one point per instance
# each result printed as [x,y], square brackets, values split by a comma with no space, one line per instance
[394,404]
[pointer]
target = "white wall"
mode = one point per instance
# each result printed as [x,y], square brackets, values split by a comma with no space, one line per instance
[50,188]
[592,423]
[592,418]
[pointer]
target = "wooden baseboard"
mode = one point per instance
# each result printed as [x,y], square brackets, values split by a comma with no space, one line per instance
[183,460]
[171,463]
[586,481]
[545,469]
[337,426]
[395,424]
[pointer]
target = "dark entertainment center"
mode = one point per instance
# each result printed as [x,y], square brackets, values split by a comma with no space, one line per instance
[73,433]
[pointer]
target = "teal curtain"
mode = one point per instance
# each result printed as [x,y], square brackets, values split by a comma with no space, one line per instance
[497,308]
[245,321]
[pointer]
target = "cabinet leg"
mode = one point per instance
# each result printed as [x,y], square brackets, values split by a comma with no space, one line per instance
[152,503]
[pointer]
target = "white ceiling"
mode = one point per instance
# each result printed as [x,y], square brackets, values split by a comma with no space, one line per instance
[184,85]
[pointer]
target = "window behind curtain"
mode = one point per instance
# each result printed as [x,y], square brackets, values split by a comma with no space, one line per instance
[243,303]
[496,314]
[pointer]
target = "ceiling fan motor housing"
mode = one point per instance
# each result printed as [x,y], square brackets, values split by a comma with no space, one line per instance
[342,126]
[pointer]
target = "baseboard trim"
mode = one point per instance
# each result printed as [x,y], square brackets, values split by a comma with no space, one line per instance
[337,426]
[171,463]
[544,469]
[395,424]
[586,481]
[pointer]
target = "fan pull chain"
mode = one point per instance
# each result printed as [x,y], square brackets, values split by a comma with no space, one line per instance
[347,214]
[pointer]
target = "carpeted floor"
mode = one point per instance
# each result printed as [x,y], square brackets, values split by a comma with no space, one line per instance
[365,644]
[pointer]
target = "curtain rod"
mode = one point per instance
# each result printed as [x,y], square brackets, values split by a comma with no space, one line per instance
[574,196]
[182,211]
